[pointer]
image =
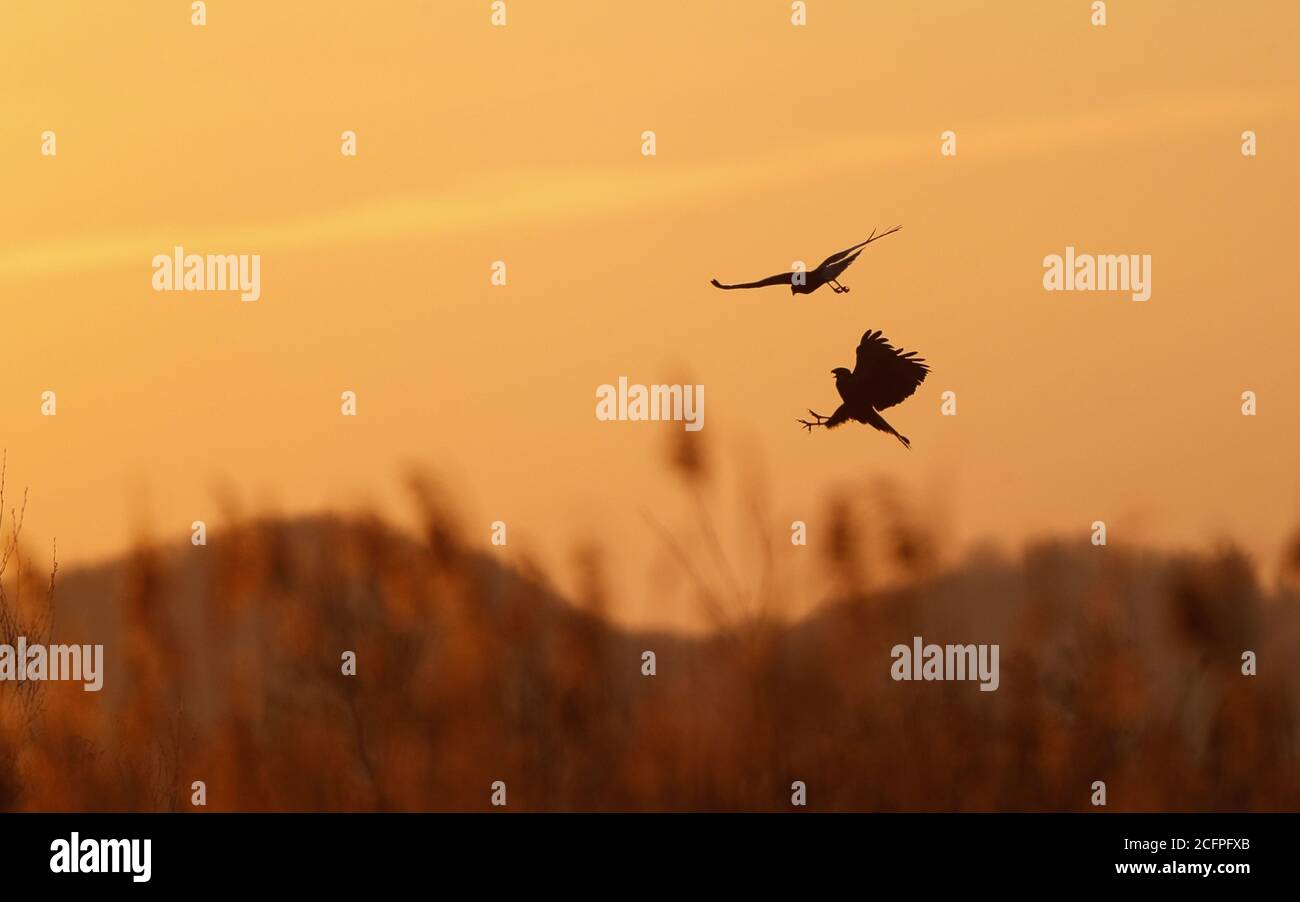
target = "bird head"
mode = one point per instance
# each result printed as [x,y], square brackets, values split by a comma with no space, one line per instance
[841,372]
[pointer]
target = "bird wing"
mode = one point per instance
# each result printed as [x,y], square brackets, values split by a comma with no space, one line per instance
[835,258]
[885,374]
[785,278]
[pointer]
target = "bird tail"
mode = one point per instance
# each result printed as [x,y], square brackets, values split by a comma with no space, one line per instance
[884,426]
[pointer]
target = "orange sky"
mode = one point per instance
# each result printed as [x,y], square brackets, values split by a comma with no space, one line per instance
[522,143]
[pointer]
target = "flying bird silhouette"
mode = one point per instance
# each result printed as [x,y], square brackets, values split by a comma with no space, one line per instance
[884,376]
[827,273]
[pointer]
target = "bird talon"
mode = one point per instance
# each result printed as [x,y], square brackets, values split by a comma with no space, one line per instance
[819,420]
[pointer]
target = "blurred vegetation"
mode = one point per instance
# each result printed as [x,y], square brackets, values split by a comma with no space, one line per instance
[224,666]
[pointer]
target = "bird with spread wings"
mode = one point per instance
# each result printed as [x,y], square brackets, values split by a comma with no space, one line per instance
[827,273]
[883,376]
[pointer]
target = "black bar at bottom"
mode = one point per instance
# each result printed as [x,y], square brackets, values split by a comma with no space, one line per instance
[640,851]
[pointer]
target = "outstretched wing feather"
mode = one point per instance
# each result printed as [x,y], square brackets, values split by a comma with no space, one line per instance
[784,278]
[840,255]
[887,375]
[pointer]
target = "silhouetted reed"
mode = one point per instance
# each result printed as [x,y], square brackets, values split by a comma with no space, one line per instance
[1117,664]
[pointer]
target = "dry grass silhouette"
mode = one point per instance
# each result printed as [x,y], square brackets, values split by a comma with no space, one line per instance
[223,665]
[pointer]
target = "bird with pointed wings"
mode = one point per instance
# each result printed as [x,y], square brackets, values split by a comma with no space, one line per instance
[827,273]
[884,376]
